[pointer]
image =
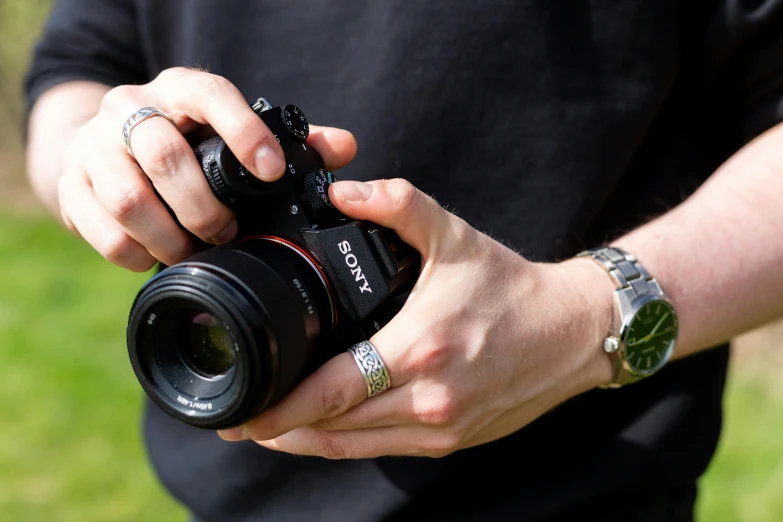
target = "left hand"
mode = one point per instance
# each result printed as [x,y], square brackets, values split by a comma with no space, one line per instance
[486,343]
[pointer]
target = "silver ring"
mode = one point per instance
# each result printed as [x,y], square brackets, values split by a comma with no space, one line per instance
[136,118]
[371,365]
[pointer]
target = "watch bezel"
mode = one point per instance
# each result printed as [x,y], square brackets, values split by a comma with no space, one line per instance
[626,324]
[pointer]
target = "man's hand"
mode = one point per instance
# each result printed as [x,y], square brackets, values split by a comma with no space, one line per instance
[107,197]
[486,343]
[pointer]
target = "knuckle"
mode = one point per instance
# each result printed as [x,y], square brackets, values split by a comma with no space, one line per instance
[117,96]
[433,353]
[326,424]
[178,249]
[328,446]
[208,222]
[142,264]
[403,194]
[127,202]
[264,430]
[115,248]
[214,85]
[442,444]
[333,401]
[442,411]
[172,74]
[161,156]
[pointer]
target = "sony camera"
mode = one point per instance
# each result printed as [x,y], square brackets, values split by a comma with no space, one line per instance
[218,338]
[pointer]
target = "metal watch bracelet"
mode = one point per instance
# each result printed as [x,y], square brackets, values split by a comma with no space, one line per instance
[632,282]
[631,278]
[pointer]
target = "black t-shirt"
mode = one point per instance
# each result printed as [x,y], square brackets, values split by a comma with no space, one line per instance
[551,125]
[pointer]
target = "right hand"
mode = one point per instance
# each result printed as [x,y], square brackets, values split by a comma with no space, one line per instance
[106,196]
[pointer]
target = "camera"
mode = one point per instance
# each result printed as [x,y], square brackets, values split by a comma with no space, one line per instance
[216,339]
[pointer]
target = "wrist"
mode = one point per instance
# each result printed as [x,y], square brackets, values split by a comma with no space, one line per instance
[590,309]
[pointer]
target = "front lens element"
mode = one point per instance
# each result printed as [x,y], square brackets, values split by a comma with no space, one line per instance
[206,345]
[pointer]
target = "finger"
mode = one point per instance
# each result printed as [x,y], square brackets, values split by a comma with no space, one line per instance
[391,408]
[168,161]
[212,100]
[424,402]
[82,210]
[338,386]
[416,217]
[364,444]
[333,389]
[128,199]
[337,147]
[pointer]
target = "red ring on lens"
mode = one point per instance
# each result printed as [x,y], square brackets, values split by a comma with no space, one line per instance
[313,261]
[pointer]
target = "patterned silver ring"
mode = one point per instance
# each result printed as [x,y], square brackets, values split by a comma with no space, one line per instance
[136,118]
[371,365]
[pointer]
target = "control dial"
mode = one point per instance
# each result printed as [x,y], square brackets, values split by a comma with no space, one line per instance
[294,121]
[315,194]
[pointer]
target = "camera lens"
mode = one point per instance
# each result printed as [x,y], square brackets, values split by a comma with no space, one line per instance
[189,348]
[222,336]
[205,344]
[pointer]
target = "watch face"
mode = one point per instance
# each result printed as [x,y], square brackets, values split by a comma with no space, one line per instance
[650,336]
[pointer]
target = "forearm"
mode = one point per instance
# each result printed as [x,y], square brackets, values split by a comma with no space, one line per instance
[54,121]
[719,254]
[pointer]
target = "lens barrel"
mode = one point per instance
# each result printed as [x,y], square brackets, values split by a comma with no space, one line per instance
[223,335]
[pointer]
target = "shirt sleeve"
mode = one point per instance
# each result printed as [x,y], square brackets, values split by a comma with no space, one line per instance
[96,40]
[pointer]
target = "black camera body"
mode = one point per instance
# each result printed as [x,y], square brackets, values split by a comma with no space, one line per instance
[218,338]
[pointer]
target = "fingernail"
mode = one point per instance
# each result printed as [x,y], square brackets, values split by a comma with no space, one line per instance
[269,163]
[227,234]
[353,190]
[234,434]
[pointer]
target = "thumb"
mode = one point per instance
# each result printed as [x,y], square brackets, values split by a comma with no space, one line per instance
[396,204]
[337,147]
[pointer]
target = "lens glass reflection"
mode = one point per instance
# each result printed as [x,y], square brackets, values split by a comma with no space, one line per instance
[205,344]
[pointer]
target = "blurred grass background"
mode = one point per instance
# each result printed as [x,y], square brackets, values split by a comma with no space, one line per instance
[70,432]
[70,447]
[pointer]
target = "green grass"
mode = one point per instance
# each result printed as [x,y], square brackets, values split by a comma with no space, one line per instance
[745,481]
[70,448]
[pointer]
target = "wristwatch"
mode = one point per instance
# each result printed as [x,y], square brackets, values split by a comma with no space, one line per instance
[642,339]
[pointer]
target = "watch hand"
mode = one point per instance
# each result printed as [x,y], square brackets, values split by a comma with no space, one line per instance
[655,329]
[660,321]
[662,332]
[650,336]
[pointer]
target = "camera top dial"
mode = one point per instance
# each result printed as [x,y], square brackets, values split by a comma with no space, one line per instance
[295,122]
[315,195]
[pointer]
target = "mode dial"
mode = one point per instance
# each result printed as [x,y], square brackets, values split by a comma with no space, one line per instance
[294,121]
[315,194]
